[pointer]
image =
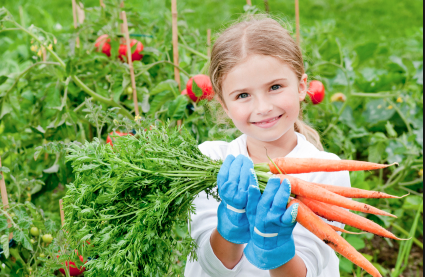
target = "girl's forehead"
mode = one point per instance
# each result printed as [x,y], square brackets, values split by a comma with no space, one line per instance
[256,70]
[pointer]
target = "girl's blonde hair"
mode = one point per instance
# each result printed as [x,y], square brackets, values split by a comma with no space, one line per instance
[257,34]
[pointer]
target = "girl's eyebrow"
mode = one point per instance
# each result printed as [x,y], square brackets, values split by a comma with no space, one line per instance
[268,84]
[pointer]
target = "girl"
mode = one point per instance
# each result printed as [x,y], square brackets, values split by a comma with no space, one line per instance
[258,76]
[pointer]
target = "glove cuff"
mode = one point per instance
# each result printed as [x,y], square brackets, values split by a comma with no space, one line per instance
[270,259]
[229,231]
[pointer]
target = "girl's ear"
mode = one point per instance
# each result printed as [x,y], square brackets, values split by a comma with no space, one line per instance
[303,88]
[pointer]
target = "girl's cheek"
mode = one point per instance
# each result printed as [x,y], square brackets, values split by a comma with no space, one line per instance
[239,113]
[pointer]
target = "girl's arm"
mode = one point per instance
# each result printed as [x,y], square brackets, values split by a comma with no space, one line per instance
[228,253]
[294,268]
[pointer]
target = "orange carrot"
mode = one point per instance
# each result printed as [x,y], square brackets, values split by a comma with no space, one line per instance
[303,188]
[318,227]
[356,193]
[334,213]
[307,165]
[344,231]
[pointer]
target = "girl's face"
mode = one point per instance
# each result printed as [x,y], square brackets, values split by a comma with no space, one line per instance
[262,96]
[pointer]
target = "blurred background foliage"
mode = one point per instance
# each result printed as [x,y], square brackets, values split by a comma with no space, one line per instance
[370,51]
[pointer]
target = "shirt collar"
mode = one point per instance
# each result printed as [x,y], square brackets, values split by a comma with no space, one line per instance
[238,146]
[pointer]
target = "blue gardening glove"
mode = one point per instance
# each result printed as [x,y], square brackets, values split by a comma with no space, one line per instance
[233,180]
[272,244]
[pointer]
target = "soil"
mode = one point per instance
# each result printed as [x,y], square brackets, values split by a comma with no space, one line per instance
[387,256]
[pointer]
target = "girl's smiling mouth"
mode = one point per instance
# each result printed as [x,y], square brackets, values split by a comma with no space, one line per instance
[267,123]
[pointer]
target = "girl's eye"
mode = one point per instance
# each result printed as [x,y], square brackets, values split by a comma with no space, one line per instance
[243,95]
[276,87]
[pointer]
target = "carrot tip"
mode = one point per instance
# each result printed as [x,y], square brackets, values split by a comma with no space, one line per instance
[404,195]
[404,239]
[397,164]
[356,233]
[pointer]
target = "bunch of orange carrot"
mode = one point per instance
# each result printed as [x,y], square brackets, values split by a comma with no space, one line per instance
[331,202]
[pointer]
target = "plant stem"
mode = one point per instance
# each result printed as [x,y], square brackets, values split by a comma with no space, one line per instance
[160,62]
[264,167]
[411,183]
[53,53]
[100,98]
[373,95]
[195,52]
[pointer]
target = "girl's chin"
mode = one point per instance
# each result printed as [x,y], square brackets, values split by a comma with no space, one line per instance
[267,135]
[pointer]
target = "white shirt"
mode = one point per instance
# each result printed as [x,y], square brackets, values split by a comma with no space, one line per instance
[320,259]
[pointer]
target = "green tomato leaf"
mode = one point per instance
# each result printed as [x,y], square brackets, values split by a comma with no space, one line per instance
[38,151]
[3,13]
[159,100]
[117,93]
[14,101]
[366,51]
[21,237]
[37,219]
[377,111]
[4,169]
[177,107]
[196,89]
[345,265]
[24,223]
[376,151]
[356,242]
[3,79]
[390,130]
[70,68]
[419,136]
[412,202]
[5,109]
[3,223]
[164,86]
[51,226]
[5,244]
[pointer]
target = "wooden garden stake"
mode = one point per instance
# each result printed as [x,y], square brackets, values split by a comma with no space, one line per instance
[248,2]
[62,212]
[101,3]
[130,62]
[175,42]
[297,20]
[266,6]
[4,198]
[74,15]
[209,42]
[80,13]
[176,47]
[43,53]
[122,25]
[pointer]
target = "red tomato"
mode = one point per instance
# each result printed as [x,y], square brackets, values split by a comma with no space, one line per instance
[204,82]
[109,139]
[73,270]
[103,41]
[135,56]
[316,92]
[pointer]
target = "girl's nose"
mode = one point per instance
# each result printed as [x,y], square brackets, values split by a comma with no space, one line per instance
[264,107]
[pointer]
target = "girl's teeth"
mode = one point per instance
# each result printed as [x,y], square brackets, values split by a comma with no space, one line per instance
[271,120]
